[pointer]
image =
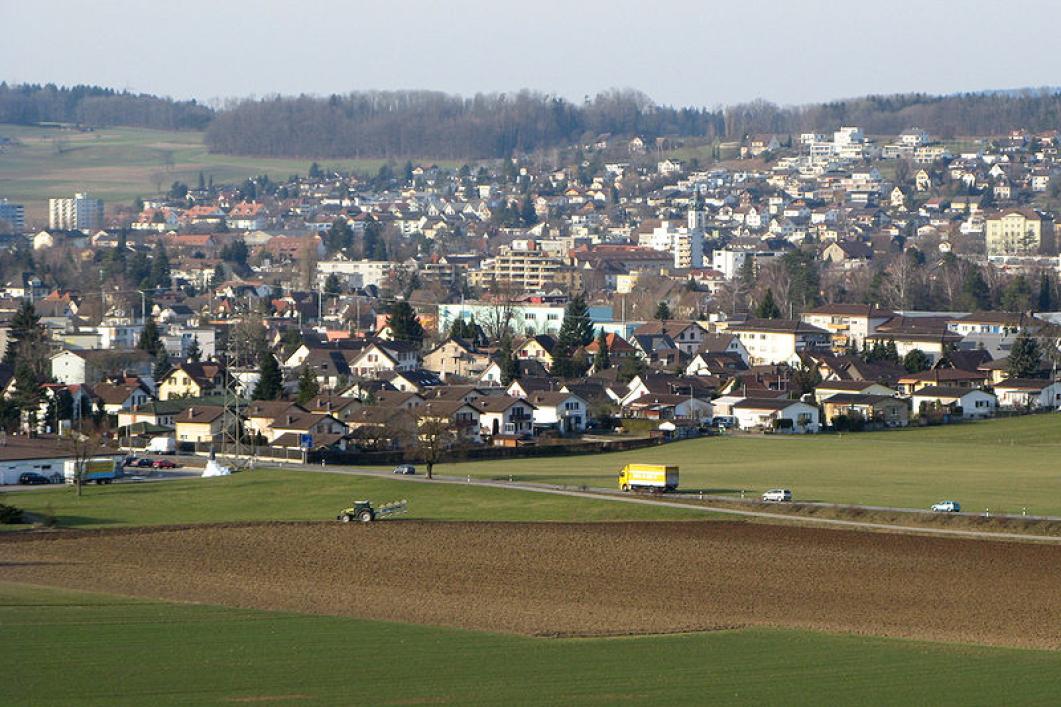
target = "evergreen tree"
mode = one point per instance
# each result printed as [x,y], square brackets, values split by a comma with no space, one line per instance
[404,324]
[601,359]
[161,365]
[194,352]
[315,171]
[29,389]
[332,285]
[975,295]
[1024,357]
[768,309]
[1046,294]
[662,312]
[891,352]
[527,214]
[577,328]
[1017,295]
[916,361]
[508,364]
[271,382]
[308,387]
[804,279]
[149,338]
[747,271]
[25,329]
[159,276]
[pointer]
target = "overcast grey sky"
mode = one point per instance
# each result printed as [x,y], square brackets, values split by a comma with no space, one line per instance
[677,51]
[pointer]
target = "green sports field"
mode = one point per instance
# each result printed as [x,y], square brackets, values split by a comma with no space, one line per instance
[119,164]
[1003,465]
[66,647]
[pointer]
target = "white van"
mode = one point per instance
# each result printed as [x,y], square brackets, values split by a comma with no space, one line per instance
[777,496]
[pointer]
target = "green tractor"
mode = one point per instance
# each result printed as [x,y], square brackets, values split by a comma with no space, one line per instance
[364,512]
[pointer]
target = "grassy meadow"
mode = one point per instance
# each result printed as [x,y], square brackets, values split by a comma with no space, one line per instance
[69,647]
[1005,465]
[119,164]
[265,495]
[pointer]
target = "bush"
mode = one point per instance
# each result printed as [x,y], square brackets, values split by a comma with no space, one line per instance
[9,515]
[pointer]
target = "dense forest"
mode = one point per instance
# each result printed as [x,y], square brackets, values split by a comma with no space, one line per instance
[430,124]
[93,106]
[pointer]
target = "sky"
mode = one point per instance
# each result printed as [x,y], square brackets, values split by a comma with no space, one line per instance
[679,52]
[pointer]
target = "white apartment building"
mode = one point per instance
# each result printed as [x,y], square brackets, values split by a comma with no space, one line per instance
[685,244]
[526,318]
[355,273]
[81,213]
[772,341]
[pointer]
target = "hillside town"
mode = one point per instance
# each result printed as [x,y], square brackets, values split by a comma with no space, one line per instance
[794,284]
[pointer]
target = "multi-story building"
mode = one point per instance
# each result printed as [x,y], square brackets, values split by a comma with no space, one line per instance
[529,269]
[355,273]
[1016,232]
[79,213]
[771,341]
[12,217]
[848,324]
[685,245]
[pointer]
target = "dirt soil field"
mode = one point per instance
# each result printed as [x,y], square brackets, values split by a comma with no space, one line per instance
[576,579]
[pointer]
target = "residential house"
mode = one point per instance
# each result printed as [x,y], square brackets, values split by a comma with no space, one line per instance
[461,420]
[687,336]
[882,409]
[381,356]
[778,414]
[948,377]
[456,357]
[90,367]
[829,388]
[294,430]
[505,415]
[566,413]
[192,380]
[1029,394]
[974,403]
[203,424]
[654,406]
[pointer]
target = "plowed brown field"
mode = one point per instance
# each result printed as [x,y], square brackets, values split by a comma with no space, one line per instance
[568,579]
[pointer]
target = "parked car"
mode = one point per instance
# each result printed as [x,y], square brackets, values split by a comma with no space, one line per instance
[32,478]
[947,507]
[142,462]
[404,469]
[724,422]
[164,464]
[777,496]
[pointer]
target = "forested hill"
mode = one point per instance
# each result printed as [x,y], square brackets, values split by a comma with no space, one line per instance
[433,124]
[29,104]
[429,124]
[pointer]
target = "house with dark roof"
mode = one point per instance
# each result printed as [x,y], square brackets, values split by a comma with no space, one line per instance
[883,409]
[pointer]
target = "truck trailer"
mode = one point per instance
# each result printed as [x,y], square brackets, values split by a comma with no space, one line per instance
[100,470]
[656,478]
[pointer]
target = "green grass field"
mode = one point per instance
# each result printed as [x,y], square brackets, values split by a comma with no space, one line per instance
[119,164]
[302,495]
[1005,465]
[65,647]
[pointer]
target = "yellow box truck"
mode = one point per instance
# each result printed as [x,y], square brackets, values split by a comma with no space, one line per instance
[648,477]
